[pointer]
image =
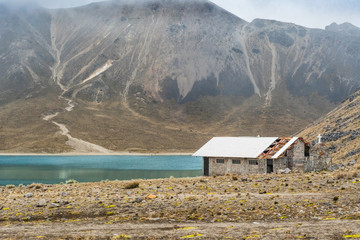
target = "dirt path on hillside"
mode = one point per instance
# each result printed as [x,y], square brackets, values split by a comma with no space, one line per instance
[78,145]
[258,230]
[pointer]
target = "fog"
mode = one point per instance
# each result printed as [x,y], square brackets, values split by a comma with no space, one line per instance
[308,13]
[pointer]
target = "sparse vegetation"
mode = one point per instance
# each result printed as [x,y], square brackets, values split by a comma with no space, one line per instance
[212,207]
[340,130]
[35,185]
[131,185]
[165,127]
[71,181]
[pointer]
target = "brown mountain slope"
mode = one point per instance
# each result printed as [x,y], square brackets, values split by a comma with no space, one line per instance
[340,130]
[162,75]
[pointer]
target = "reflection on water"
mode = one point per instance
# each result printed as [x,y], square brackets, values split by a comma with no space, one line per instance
[56,169]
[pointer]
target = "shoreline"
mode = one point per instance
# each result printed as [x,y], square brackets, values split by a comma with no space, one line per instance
[97,154]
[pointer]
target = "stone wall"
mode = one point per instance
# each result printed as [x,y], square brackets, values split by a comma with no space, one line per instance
[280,164]
[296,159]
[297,151]
[229,168]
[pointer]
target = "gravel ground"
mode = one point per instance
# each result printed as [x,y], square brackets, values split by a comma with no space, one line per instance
[322,205]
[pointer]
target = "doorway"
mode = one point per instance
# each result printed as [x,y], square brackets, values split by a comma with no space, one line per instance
[270,165]
[206,166]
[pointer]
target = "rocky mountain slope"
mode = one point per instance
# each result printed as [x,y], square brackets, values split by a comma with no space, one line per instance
[163,75]
[340,130]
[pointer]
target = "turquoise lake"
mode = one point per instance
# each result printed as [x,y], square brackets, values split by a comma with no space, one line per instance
[55,169]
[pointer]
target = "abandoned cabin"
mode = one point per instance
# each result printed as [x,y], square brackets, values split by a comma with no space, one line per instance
[249,155]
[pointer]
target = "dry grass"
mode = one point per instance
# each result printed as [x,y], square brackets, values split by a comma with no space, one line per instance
[345,117]
[22,128]
[347,175]
[132,185]
[148,126]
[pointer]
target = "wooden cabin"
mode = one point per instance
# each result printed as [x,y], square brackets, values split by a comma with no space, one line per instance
[246,155]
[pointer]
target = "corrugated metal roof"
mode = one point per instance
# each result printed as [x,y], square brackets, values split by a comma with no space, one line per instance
[239,147]
[285,147]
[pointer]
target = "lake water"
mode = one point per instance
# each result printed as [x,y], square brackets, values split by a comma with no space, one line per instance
[55,169]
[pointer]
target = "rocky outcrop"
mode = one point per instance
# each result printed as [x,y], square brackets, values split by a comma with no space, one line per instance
[339,129]
[103,49]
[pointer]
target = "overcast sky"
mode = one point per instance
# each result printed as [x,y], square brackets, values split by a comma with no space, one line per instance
[309,13]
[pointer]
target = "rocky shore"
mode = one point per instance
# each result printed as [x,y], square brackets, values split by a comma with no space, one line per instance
[323,205]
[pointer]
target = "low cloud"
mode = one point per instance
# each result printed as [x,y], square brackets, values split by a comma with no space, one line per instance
[309,13]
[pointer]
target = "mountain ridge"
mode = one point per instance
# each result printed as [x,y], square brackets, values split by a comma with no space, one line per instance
[185,70]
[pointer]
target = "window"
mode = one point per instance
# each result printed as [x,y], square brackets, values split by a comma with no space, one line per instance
[253,162]
[236,161]
[220,160]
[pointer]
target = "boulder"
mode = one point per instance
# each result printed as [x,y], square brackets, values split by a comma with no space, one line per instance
[138,199]
[285,171]
[352,162]
[28,195]
[54,205]
[41,203]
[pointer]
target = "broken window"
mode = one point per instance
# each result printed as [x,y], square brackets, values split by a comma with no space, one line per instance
[220,160]
[236,161]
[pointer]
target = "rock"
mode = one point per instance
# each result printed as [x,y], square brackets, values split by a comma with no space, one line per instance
[334,135]
[330,181]
[63,203]
[244,179]
[336,166]
[260,180]
[352,153]
[286,171]
[41,203]
[54,205]
[138,199]
[151,196]
[64,194]
[28,195]
[352,162]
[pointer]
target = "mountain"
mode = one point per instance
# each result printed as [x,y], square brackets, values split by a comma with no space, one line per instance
[162,75]
[340,130]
